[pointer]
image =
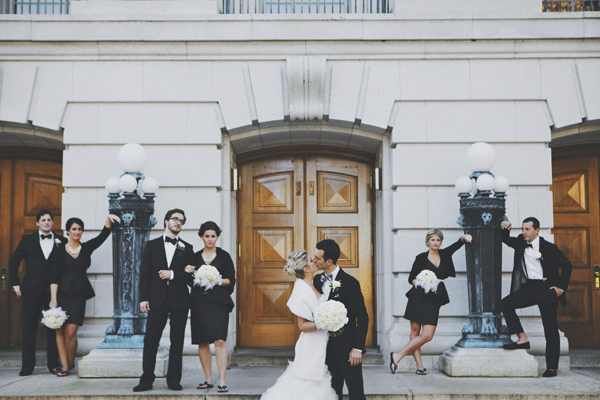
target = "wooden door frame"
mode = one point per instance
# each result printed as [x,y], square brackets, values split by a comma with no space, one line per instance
[318,151]
[572,152]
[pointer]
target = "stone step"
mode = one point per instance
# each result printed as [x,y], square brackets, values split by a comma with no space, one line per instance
[585,356]
[255,356]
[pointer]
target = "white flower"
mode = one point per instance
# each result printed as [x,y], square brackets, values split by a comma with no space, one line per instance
[335,285]
[54,318]
[538,256]
[207,276]
[180,245]
[57,242]
[428,280]
[332,316]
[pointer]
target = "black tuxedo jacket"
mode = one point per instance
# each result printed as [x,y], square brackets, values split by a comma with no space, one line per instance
[163,293]
[355,331]
[38,270]
[552,260]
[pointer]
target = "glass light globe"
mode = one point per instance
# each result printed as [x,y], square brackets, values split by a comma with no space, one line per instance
[485,182]
[481,157]
[132,157]
[501,185]
[149,185]
[112,185]
[463,185]
[127,183]
[473,186]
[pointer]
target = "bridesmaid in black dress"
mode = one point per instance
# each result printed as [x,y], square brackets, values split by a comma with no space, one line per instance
[423,309]
[71,288]
[210,311]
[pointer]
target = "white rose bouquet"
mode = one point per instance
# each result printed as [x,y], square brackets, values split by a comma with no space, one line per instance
[207,276]
[428,280]
[54,318]
[332,316]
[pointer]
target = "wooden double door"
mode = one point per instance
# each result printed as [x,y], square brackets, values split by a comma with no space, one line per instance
[26,187]
[288,204]
[577,233]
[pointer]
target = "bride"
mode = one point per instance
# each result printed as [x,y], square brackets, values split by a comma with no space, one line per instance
[307,378]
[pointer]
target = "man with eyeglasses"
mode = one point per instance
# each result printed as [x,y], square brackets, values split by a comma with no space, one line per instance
[164,295]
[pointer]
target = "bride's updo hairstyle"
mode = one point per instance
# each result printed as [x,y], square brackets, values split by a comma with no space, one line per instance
[296,263]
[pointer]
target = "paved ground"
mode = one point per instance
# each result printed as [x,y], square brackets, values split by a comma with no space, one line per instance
[250,382]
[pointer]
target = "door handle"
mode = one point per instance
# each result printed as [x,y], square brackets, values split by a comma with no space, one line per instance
[298,188]
[596,276]
[3,280]
[311,188]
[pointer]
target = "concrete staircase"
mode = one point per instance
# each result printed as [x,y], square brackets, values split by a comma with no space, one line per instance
[255,356]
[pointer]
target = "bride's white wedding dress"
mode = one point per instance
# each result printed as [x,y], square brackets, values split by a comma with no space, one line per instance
[307,378]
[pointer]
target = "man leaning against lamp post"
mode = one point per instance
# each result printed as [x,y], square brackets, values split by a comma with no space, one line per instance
[536,280]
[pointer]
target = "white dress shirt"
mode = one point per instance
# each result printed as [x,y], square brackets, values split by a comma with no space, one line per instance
[327,284]
[533,265]
[46,244]
[170,252]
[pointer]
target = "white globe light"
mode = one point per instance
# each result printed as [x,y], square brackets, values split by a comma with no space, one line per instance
[127,183]
[463,185]
[132,158]
[149,185]
[501,185]
[481,157]
[112,185]
[485,182]
[473,186]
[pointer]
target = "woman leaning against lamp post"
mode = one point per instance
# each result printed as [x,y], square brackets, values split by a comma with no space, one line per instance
[423,308]
[70,287]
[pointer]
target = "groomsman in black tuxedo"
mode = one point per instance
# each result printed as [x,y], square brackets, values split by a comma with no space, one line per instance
[164,295]
[344,352]
[536,280]
[39,251]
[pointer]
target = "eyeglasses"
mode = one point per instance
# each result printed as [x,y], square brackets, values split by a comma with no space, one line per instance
[175,219]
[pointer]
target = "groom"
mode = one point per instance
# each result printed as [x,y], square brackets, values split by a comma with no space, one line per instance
[344,352]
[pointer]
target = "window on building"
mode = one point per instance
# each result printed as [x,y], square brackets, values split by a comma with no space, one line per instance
[570,5]
[306,6]
[34,6]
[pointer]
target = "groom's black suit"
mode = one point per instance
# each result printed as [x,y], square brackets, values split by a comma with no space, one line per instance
[353,336]
[167,299]
[35,294]
[525,293]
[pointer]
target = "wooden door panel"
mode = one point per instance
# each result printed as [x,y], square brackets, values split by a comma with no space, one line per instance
[26,187]
[287,205]
[271,227]
[576,227]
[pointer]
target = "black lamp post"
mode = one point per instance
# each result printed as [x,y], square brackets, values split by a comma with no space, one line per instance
[129,238]
[481,215]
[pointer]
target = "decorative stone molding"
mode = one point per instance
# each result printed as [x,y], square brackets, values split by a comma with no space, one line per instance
[306,87]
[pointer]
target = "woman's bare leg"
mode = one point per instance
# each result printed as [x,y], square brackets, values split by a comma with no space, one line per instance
[205,360]
[425,336]
[221,355]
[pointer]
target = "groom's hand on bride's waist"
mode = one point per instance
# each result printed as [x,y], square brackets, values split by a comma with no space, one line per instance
[355,357]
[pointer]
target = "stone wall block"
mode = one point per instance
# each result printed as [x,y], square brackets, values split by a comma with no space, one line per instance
[77,126]
[346,78]
[382,90]
[108,81]
[505,79]
[410,124]
[410,207]
[589,81]
[16,91]
[559,87]
[230,91]
[178,81]
[435,80]
[267,88]
[54,89]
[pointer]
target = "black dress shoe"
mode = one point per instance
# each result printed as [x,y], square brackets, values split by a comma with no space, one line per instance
[174,386]
[142,387]
[26,372]
[549,373]
[515,346]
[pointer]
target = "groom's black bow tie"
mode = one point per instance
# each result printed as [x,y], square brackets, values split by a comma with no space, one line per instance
[528,245]
[325,277]
[170,240]
[48,236]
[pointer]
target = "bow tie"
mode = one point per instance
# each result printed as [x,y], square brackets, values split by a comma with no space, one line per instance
[325,277]
[171,240]
[528,245]
[48,236]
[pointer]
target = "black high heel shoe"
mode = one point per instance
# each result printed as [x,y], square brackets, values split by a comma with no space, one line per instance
[393,365]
